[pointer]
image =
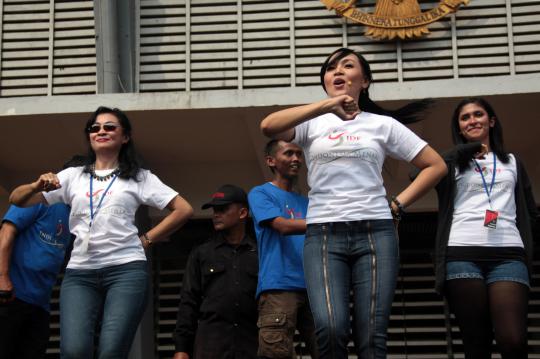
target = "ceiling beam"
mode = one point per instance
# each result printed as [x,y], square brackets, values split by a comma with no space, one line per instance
[216,99]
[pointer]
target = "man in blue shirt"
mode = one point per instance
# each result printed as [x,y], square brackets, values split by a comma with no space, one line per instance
[279,217]
[33,243]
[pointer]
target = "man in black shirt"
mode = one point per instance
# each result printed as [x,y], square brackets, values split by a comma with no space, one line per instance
[217,314]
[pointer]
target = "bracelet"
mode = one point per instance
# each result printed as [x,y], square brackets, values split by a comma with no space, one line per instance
[396,214]
[147,240]
[398,204]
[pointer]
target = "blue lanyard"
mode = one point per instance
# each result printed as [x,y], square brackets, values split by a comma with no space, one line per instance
[488,192]
[92,213]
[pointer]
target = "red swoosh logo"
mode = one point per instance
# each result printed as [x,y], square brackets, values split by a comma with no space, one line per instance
[336,137]
[95,193]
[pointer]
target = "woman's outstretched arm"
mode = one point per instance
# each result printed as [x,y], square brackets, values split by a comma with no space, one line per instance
[280,125]
[30,194]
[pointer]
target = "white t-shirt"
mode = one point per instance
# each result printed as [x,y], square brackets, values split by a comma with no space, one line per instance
[471,203]
[345,159]
[113,235]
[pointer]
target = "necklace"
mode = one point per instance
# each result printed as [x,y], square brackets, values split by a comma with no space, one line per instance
[103,178]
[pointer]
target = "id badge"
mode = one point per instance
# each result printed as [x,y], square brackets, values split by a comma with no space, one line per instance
[490,220]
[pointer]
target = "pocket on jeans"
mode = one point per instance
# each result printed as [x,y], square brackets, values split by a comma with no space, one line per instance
[313,230]
[273,338]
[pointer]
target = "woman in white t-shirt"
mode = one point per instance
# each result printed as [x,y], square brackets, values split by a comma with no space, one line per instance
[484,235]
[351,240]
[106,280]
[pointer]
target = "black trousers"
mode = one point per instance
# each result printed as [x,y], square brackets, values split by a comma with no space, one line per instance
[24,330]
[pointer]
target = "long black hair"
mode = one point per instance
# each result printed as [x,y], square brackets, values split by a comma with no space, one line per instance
[129,162]
[409,113]
[496,142]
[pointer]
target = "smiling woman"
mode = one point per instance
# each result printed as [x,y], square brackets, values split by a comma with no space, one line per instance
[484,239]
[351,238]
[106,278]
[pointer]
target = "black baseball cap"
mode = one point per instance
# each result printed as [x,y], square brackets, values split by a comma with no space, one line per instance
[227,194]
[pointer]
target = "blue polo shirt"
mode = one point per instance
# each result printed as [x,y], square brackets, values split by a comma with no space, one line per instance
[280,256]
[39,250]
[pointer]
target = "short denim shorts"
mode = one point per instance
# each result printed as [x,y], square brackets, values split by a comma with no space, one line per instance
[489,271]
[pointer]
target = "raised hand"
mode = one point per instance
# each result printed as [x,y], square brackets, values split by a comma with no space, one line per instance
[343,106]
[46,182]
[481,154]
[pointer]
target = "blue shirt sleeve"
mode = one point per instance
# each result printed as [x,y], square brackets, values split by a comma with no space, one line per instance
[263,206]
[22,217]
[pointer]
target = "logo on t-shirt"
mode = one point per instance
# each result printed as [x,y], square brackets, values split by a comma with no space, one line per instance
[54,239]
[340,144]
[341,137]
[292,213]
[96,193]
[487,170]
[59,228]
[365,154]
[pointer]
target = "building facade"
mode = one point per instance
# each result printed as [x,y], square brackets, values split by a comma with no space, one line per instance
[197,76]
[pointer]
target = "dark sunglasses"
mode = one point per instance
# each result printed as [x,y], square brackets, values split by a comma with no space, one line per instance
[108,127]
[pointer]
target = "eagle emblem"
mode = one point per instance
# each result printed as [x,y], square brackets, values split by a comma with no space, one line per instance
[394,18]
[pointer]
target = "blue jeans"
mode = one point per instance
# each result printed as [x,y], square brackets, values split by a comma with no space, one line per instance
[362,256]
[115,296]
[489,271]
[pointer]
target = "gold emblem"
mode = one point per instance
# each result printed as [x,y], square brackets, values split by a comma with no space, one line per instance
[391,18]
